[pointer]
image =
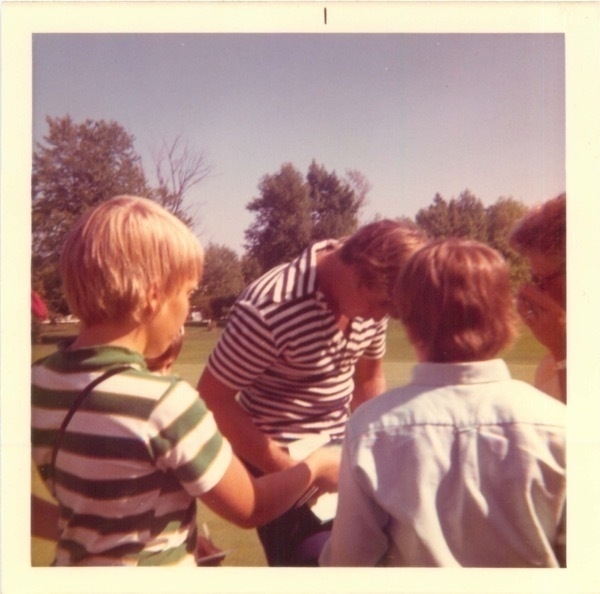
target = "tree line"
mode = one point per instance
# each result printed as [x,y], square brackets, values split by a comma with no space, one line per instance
[77,166]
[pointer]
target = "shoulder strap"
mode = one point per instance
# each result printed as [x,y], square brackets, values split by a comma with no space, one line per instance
[76,404]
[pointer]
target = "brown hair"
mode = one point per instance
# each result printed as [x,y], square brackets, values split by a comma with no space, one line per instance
[117,251]
[543,229]
[163,363]
[378,251]
[454,298]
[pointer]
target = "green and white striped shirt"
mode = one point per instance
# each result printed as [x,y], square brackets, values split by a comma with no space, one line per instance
[133,459]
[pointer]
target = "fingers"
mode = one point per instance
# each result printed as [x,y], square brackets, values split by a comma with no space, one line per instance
[207,553]
[536,299]
[525,308]
[328,464]
[545,318]
[532,303]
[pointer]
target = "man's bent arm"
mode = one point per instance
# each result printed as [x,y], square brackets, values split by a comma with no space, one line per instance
[247,440]
[369,381]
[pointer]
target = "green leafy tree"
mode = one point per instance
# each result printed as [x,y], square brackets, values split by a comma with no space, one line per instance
[464,216]
[75,167]
[467,217]
[282,228]
[220,306]
[435,219]
[335,204]
[222,272]
[291,212]
[251,268]
[501,218]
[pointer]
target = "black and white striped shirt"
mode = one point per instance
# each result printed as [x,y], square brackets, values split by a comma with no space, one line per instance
[283,351]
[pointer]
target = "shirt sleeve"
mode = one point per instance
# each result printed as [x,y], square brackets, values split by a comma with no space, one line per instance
[376,350]
[357,538]
[185,440]
[245,350]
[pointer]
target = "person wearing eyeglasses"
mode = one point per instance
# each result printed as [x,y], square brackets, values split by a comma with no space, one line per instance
[540,236]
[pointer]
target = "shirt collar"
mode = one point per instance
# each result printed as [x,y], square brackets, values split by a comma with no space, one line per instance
[477,372]
[308,264]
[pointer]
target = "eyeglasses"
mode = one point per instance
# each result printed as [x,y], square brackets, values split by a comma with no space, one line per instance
[542,282]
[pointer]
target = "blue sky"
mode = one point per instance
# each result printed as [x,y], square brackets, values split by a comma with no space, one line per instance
[415,113]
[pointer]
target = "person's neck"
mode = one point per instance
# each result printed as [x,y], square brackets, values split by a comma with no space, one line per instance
[328,275]
[332,277]
[128,335]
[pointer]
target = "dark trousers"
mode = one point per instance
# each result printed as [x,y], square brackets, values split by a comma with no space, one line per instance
[294,539]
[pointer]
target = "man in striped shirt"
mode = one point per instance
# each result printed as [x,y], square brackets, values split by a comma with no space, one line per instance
[303,346]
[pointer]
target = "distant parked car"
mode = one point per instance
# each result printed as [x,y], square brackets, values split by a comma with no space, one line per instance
[70,319]
[196,316]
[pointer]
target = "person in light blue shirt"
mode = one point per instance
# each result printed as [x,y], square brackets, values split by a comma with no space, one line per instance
[464,466]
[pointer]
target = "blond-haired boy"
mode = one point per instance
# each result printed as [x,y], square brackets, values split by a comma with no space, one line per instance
[141,447]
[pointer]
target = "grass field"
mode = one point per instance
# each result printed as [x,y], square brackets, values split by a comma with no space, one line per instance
[521,358]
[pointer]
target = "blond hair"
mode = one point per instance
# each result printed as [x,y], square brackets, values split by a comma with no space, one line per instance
[118,251]
[378,251]
[454,298]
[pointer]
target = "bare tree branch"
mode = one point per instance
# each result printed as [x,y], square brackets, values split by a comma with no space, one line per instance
[178,169]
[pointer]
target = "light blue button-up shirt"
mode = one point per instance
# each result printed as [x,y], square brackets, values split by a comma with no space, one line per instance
[464,466]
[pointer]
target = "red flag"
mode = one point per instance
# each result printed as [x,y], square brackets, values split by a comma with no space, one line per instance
[38,307]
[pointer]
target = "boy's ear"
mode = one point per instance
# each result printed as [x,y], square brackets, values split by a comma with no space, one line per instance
[153,301]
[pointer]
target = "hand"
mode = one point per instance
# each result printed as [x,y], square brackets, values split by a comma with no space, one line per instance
[546,319]
[204,548]
[326,462]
